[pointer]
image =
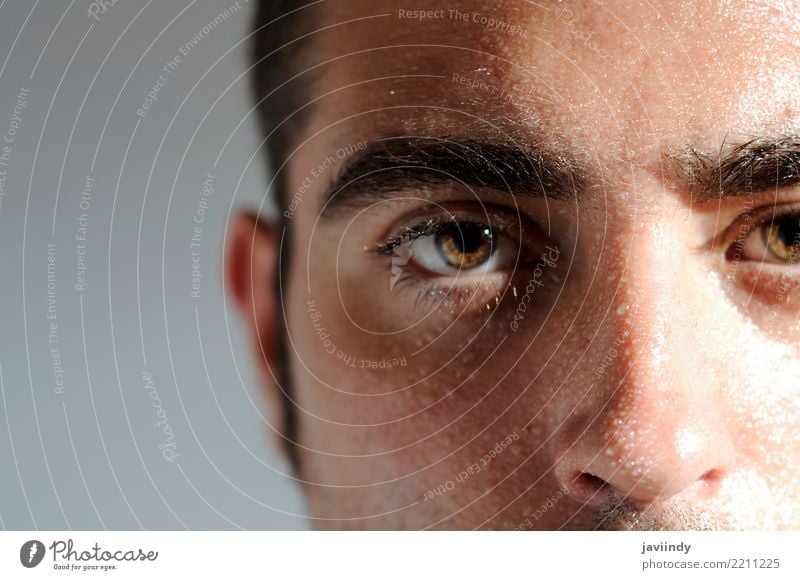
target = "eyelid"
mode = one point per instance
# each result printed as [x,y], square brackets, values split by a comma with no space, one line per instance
[501,219]
[465,293]
[750,221]
[433,227]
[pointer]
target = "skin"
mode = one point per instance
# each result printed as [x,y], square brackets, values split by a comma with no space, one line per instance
[653,381]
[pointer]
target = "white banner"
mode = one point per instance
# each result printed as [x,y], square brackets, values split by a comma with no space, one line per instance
[401,555]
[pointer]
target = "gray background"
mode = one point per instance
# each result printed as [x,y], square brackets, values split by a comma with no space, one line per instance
[88,457]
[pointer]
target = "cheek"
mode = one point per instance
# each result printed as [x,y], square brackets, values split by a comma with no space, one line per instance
[381,371]
[420,395]
[764,412]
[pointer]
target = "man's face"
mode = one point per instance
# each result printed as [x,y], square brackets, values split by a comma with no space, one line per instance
[557,284]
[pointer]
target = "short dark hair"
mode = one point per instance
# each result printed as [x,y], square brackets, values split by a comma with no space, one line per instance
[279,31]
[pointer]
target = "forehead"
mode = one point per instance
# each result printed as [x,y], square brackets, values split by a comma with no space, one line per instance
[638,75]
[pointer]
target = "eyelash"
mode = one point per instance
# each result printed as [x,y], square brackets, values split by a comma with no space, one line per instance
[756,220]
[430,289]
[430,227]
[760,276]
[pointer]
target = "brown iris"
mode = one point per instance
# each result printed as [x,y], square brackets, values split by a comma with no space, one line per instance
[782,237]
[465,245]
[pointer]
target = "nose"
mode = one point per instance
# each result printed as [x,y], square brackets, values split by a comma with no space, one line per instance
[642,450]
[650,425]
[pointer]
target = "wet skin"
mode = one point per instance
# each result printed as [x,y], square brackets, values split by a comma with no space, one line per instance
[628,173]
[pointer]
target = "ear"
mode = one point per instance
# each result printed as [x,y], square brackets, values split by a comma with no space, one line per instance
[250,272]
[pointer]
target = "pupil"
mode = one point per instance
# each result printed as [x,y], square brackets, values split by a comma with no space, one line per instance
[789,231]
[465,245]
[469,238]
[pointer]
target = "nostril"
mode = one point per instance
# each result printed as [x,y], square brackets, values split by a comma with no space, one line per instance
[588,487]
[591,482]
[711,481]
[712,476]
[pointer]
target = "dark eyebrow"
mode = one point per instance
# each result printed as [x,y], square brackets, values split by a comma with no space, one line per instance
[752,167]
[392,165]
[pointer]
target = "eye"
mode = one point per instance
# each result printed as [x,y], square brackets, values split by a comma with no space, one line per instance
[776,240]
[783,238]
[460,253]
[462,248]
